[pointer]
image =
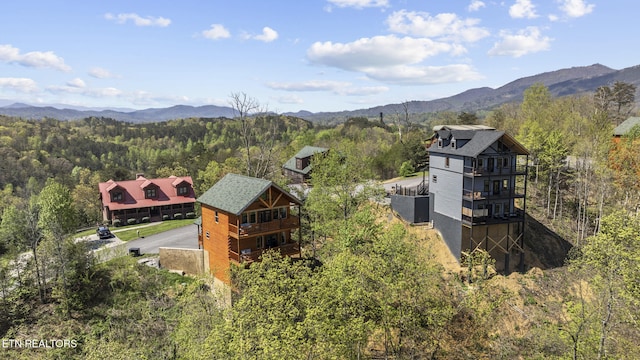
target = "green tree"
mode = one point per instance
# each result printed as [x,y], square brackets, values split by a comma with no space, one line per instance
[58,220]
[610,263]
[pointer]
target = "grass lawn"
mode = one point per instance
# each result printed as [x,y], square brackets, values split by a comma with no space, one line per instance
[126,233]
[130,232]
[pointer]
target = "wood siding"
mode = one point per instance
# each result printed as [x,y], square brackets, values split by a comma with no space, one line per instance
[217,241]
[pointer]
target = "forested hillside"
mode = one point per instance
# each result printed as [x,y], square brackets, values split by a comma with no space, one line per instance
[368,286]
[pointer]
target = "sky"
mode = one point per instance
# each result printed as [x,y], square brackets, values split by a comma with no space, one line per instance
[291,55]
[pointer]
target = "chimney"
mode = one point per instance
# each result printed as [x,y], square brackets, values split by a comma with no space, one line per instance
[139,175]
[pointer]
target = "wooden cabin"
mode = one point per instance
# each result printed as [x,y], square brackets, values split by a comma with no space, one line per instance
[244,216]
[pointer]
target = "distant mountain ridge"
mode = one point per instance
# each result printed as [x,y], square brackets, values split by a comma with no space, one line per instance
[571,81]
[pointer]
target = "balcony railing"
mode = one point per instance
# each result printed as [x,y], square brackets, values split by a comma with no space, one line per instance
[516,216]
[249,256]
[510,170]
[482,195]
[258,228]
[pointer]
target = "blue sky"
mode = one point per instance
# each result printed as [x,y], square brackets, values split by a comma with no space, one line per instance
[290,55]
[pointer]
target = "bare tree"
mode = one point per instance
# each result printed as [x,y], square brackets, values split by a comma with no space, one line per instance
[244,106]
[259,146]
[403,118]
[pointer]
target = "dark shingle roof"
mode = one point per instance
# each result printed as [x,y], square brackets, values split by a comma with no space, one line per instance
[626,125]
[234,193]
[305,152]
[477,144]
[479,140]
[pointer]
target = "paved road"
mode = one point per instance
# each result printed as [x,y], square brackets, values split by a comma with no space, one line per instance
[184,237]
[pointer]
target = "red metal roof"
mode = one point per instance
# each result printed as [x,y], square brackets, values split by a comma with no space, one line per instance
[133,192]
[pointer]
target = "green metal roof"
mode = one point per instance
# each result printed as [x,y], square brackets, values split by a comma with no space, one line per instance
[305,152]
[626,125]
[234,193]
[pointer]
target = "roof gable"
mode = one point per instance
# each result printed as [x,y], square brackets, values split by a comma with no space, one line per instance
[626,125]
[305,152]
[479,140]
[234,193]
[134,192]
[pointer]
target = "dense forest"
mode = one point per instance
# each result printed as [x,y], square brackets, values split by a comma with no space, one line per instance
[368,285]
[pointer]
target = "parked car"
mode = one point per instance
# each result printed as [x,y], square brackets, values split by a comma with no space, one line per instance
[104,232]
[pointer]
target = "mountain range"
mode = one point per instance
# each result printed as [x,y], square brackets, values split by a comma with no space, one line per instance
[571,81]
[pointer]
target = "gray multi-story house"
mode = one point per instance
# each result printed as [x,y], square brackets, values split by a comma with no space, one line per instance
[477,191]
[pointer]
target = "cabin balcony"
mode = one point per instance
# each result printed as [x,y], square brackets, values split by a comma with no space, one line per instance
[247,256]
[249,230]
[469,195]
[471,171]
[482,217]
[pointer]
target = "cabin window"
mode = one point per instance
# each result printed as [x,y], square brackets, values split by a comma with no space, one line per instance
[216,217]
[183,190]
[150,193]
[505,162]
[496,187]
[480,163]
[207,234]
[446,162]
[434,179]
[486,186]
[298,164]
[283,213]
[440,143]
[249,218]
[259,242]
[453,143]
[116,196]
[275,214]
[498,209]
[283,238]
[265,216]
[505,184]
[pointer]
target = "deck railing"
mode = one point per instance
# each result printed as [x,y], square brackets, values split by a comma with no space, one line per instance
[258,228]
[248,255]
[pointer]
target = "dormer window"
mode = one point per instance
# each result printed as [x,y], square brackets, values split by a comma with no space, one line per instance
[116,196]
[440,143]
[150,193]
[453,143]
[183,190]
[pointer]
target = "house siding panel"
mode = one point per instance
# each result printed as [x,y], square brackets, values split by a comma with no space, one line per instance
[448,186]
[218,242]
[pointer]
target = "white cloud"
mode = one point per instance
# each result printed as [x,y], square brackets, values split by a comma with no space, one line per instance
[268,35]
[523,9]
[576,8]
[529,40]
[36,59]
[290,99]
[336,87]
[359,4]
[138,20]
[217,31]
[423,75]
[363,90]
[101,73]
[312,85]
[475,5]
[108,92]
[375,52]
[444,26]
[392,59]
[23,85]
[77,83]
